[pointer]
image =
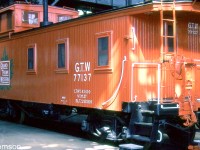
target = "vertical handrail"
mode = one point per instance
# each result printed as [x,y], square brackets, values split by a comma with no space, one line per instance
[174,25]
[175,46]
[162,50]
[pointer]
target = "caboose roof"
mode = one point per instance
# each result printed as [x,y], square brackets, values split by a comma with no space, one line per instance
[27,6]
[153,6]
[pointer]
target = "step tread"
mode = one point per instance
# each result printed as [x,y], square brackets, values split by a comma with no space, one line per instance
[196,142]
[130,147]
[143,124]
[141,138]
[147,111]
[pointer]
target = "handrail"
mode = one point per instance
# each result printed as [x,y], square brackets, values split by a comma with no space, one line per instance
[113,97]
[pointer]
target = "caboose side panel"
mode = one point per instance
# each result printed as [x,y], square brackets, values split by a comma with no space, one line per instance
[144,57]
[147,33]
[74,85]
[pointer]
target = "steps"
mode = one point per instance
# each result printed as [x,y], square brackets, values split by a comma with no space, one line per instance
[166,109]
[141,138]
[144,124]
[142,128]
[130,147]
[142,131]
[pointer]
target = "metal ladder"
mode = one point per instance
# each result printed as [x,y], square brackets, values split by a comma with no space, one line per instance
[168,39]
[168,17]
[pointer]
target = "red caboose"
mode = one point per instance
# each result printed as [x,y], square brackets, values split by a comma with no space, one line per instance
[133,71]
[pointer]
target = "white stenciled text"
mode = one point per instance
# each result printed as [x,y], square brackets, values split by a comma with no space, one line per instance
[82,72]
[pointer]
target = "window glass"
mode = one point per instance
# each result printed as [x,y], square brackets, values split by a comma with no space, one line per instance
[103,51]
[30,17]
[9,20]
[31,58]
[61,55]
[0,23]
[170,39]
[63,18]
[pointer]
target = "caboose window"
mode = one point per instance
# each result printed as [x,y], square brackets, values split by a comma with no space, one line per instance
[30,17]
[103,51]
[169,37]
[61,55]
[170,40]
[0,23]
[9,20]
[63,18]
[31,59]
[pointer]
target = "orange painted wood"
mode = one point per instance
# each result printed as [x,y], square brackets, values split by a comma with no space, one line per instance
[104,87]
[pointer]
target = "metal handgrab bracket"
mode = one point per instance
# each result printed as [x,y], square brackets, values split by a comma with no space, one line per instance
[176,107]
[160,135]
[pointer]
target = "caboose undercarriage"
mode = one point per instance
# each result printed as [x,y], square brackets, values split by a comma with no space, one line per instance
[140,122]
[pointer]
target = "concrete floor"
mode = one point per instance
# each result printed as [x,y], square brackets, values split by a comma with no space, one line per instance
[16,136]
[25,137]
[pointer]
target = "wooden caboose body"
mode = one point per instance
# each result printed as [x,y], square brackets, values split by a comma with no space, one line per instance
[24,16]
[138,62]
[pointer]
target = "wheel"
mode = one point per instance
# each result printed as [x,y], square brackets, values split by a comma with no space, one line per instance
[4,110]
[22,117]
[16,114]
[100,128]
[198,125]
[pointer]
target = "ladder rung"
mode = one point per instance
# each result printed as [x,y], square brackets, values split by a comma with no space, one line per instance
[169,54]
[168,2]
[168,36]
[168,20]
[170,6]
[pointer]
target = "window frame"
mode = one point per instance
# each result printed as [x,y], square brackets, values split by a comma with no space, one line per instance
[34,69]
[63,15]
[0,23]
[27,21]
[9,20]
[66,68]
[105,68]
[133,37]
[168,37]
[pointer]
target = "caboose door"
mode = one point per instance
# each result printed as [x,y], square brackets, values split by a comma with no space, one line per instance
[145,81]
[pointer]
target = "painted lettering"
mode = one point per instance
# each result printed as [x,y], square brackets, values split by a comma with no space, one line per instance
[193,28]
[87,66]
[82,96]
[77,67]
[83,101]
[4,65]
[4,72]
[82,69]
